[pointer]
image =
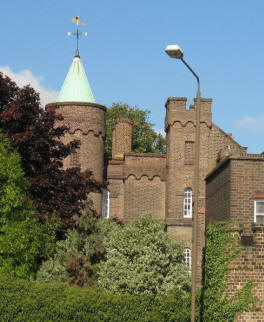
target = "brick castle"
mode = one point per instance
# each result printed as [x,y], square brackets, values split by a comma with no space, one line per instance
[231,181]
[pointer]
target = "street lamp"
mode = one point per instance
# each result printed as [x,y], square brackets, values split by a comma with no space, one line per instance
[174,51]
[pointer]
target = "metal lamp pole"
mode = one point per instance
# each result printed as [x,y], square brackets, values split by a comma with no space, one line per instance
[174,51]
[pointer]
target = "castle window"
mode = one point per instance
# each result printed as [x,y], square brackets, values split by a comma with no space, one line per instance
[75,159]
[105,203]
[189,152]
[259,211]
[188,258]
[187,203]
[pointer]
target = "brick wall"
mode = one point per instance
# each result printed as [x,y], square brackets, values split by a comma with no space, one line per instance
[250,265]
[247,177]
[137,185]
[144,195]
[86,122]
[231,190]
[218,194]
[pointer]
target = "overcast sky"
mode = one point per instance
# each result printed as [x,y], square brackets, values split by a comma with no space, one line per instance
[125,60]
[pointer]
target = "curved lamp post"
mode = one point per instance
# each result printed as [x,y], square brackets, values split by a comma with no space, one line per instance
[174,51]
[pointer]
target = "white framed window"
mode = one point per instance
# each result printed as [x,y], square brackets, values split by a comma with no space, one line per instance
[259,211]
[188,258]
[105,203]
[187,203]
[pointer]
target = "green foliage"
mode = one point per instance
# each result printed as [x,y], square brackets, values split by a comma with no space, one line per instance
[144,138]
[141,258]
[32,301]
[221,248]
[76,257]
[24,241]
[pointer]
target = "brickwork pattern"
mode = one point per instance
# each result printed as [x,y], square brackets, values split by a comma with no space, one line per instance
[250,265]
[180,128]
[247,176]
[144,195]
[86,122]
[122,138]
[231,189]
[218,195]
[219,140]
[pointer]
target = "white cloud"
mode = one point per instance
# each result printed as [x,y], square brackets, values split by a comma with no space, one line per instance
[25,77]
[249,123]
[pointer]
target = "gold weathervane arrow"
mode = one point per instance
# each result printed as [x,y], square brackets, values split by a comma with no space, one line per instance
[78,21]
[77,33]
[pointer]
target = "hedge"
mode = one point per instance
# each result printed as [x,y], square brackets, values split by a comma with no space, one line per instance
[23,300]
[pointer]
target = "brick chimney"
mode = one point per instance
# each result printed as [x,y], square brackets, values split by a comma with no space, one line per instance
[122,138]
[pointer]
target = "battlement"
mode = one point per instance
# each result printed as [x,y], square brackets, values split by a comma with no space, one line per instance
[177,111]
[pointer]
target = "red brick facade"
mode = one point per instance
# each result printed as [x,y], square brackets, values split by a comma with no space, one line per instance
[86,122]
[155,183]
[231,189]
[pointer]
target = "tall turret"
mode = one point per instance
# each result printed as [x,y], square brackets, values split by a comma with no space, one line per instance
[180,128]
[86,121]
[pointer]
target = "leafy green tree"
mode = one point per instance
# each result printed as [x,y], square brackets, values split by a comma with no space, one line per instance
[142,258]
[76,257]
[144,138]
[24,241]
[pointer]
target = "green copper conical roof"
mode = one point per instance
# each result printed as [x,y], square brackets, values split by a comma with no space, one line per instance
[76,87]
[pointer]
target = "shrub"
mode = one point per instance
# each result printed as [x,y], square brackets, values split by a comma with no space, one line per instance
[141,258]
[32,301]
[76,257]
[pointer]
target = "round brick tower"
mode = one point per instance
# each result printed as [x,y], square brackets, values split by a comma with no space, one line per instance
[86,121]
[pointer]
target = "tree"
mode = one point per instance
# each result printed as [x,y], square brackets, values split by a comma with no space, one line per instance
[24,241]
[34,134]
[144,138]
[142,258]
[76,258]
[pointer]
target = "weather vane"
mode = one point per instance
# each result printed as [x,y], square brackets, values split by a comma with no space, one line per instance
[77,33]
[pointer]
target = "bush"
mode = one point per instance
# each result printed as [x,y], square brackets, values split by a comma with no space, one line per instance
[141,258]
[76,257]
[32,301]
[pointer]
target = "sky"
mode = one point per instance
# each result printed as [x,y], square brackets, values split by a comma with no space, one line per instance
[125,60]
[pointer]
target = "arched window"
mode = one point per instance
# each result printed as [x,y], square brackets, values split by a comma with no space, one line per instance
[105,203]
[188,258]
[187,203]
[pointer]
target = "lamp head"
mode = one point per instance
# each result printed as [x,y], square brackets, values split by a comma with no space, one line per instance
[174,51]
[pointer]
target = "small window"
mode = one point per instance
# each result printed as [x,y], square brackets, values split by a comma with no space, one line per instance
[259,211]
[188,258]
[187,203]
[75,159]
[105,203]
[189,152]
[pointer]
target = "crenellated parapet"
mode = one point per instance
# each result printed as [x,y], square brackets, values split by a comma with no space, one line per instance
[138,165]
[177,112]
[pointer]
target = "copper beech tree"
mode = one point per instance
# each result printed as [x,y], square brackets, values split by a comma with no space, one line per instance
[34,134]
